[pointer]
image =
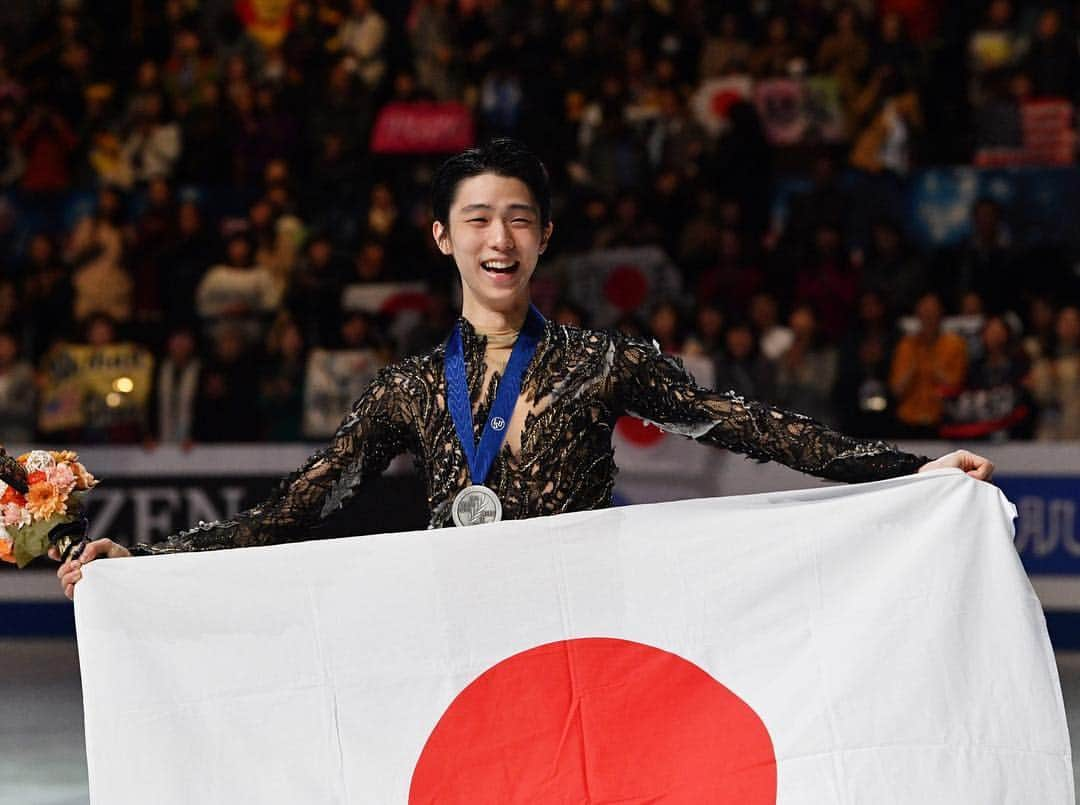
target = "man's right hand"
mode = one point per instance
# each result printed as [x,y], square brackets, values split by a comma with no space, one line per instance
[70,573]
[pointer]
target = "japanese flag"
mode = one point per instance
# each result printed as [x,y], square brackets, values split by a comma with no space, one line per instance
[869,644]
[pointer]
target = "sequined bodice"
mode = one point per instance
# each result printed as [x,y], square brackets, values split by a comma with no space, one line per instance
[577,385]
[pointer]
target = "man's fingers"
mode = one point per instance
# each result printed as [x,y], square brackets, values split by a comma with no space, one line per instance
[71,578]
[69,591]
[54,554]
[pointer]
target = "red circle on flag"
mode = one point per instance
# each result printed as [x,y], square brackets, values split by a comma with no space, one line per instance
[637,432]
[626,287]
[596,720]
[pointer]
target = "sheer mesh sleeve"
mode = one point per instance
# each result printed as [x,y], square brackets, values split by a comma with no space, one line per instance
[656,388]
[376,430]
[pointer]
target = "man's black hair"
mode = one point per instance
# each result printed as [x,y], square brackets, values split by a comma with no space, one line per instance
[503,157]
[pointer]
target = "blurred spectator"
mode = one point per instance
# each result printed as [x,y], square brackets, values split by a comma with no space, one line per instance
[985,263]
[431,330]
[155,235]
[828,283]
[741,368]
[96,253]
[206,136]
[1056,381]
[17,397]
[281,383]
[707,336]
[806,371]
[431,33]
[12,158]
[742,162]
[153,146]
[628,227]
[995,402]
[47,295]
[315,294]
[926,368]
[893,48]
[725,50]
[48,143]
[176,389]
[889,118]
[236,296]
[667,329]
[845,53]
[778,54]
[824,203]
[183,263]
[732,282]
[1052,59]
[277,239]
[994,46]
[890,269]
[502,98]
[361,331]
[363,37]
[773,337]
[862,387]
[569,314]
[1039,328]
[699,243]
[228,390]
[189,68]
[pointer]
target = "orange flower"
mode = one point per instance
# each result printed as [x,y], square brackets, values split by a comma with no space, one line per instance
[44,500]
[64,456]
[35,477]
[11,496]
[83,479]
[7,550]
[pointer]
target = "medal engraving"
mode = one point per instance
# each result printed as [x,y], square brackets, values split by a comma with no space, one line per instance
[498,423]
[475,505]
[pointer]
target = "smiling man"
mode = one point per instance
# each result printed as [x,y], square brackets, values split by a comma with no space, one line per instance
[512,417]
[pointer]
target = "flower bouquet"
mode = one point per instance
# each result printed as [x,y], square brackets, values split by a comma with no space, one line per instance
[41,504]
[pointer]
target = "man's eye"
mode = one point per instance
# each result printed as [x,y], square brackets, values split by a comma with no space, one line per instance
[476,221]
[521,221]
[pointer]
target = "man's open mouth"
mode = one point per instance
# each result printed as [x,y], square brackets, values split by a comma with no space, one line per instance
[500,266]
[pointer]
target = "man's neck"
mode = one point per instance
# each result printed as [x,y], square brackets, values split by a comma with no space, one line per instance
[487,321]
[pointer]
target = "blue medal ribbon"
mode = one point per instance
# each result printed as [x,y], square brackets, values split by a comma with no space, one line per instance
[482,455]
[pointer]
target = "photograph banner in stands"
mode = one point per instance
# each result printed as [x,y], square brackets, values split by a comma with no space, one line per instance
[423,128]
[335,380]
[94,388]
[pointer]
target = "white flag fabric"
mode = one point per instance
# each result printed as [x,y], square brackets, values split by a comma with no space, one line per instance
[876,643]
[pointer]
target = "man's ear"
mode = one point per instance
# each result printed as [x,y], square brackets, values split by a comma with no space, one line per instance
[442,237]
[545,236]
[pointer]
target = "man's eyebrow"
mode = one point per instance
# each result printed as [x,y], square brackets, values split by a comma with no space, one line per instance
[487,208]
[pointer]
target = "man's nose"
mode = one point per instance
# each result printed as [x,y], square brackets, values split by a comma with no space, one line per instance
[502,236]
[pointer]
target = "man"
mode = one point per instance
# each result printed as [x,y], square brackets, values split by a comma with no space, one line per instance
[544,445]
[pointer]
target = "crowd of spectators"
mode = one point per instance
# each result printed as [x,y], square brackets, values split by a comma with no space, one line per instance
[195,179]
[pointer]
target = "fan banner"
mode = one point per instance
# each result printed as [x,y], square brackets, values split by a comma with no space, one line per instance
[870,643]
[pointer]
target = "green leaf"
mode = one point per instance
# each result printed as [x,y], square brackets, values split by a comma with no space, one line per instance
[32,541]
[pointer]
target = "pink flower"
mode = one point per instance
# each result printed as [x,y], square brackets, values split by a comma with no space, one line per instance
[12,514]
[62,478]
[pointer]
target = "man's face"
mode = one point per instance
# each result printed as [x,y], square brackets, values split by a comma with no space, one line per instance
[495,237]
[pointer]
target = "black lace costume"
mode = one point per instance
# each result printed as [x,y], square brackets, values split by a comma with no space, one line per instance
[577,385]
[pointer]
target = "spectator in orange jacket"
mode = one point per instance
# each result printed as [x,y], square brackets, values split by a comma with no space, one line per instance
[927,366]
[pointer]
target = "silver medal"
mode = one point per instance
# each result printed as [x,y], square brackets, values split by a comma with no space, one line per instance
[476,504]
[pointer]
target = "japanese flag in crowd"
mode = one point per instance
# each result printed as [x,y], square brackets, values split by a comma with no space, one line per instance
[712,101]
[615,282]
[869,644]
